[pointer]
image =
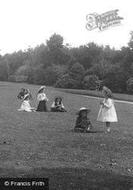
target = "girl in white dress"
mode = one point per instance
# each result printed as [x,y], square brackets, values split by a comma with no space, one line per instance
[25,106]
[107,112]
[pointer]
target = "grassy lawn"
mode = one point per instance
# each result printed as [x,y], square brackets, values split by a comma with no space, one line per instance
[44,144]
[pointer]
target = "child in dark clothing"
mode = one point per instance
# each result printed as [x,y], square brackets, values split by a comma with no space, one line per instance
[83,123]
[57,105]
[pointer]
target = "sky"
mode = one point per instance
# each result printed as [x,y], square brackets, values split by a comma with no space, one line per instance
[25,23]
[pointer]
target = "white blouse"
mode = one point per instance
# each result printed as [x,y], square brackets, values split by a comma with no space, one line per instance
[41,97]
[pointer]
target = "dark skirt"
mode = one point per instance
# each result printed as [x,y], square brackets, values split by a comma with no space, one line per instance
[42,107]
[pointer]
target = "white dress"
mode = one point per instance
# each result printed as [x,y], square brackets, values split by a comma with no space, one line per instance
[107,112]
[25,106]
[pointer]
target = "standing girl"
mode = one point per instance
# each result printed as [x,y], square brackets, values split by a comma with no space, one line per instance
[107,112]
[41,97]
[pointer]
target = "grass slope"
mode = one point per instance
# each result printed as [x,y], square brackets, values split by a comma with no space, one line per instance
[44,145]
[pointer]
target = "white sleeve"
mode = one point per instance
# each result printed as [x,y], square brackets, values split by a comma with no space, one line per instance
[62,105]
[45,97]
[53,105]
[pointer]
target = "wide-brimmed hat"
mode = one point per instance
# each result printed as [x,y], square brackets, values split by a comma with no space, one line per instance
[83,109]
[41,88]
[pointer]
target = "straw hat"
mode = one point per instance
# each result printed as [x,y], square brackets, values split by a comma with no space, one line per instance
[83,109]
[41,88]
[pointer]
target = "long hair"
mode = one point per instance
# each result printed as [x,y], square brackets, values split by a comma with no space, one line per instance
[58,99]
[21,93]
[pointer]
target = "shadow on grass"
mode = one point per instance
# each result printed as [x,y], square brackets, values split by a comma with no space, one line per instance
[76,179]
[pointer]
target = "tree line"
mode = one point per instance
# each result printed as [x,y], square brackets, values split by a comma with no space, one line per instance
[85,67]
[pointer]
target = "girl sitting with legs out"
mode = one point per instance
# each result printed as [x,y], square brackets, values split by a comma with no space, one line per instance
[57,105]
[23,92]
[25,106]
[83,123]
[107,112]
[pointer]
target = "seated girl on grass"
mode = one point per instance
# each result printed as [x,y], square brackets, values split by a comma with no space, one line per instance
[57,105]
[23,92]
[25,106]
[83,123]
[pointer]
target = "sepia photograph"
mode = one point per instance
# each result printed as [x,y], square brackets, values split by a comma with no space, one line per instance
[66,95]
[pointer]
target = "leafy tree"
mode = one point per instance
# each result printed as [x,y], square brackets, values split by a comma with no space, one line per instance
[130,85]
[87,55]
[130,43]
[14,61]
[100,69]
[3,71]
[116,79]
[55,42]
[90,82]
[77,71]
[22,70]
[67,82]
[50,76]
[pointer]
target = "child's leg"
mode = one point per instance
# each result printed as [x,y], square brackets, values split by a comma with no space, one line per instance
[108,126]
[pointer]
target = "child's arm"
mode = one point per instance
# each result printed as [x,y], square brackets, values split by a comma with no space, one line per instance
[62,105]
[45,97]
[53,105]
[108,104]
[38,97]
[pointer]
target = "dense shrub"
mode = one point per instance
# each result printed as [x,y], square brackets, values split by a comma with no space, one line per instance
[67,82]
[130,85]
[90,82]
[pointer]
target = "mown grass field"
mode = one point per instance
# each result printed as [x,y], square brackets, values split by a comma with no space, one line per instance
[44,144]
